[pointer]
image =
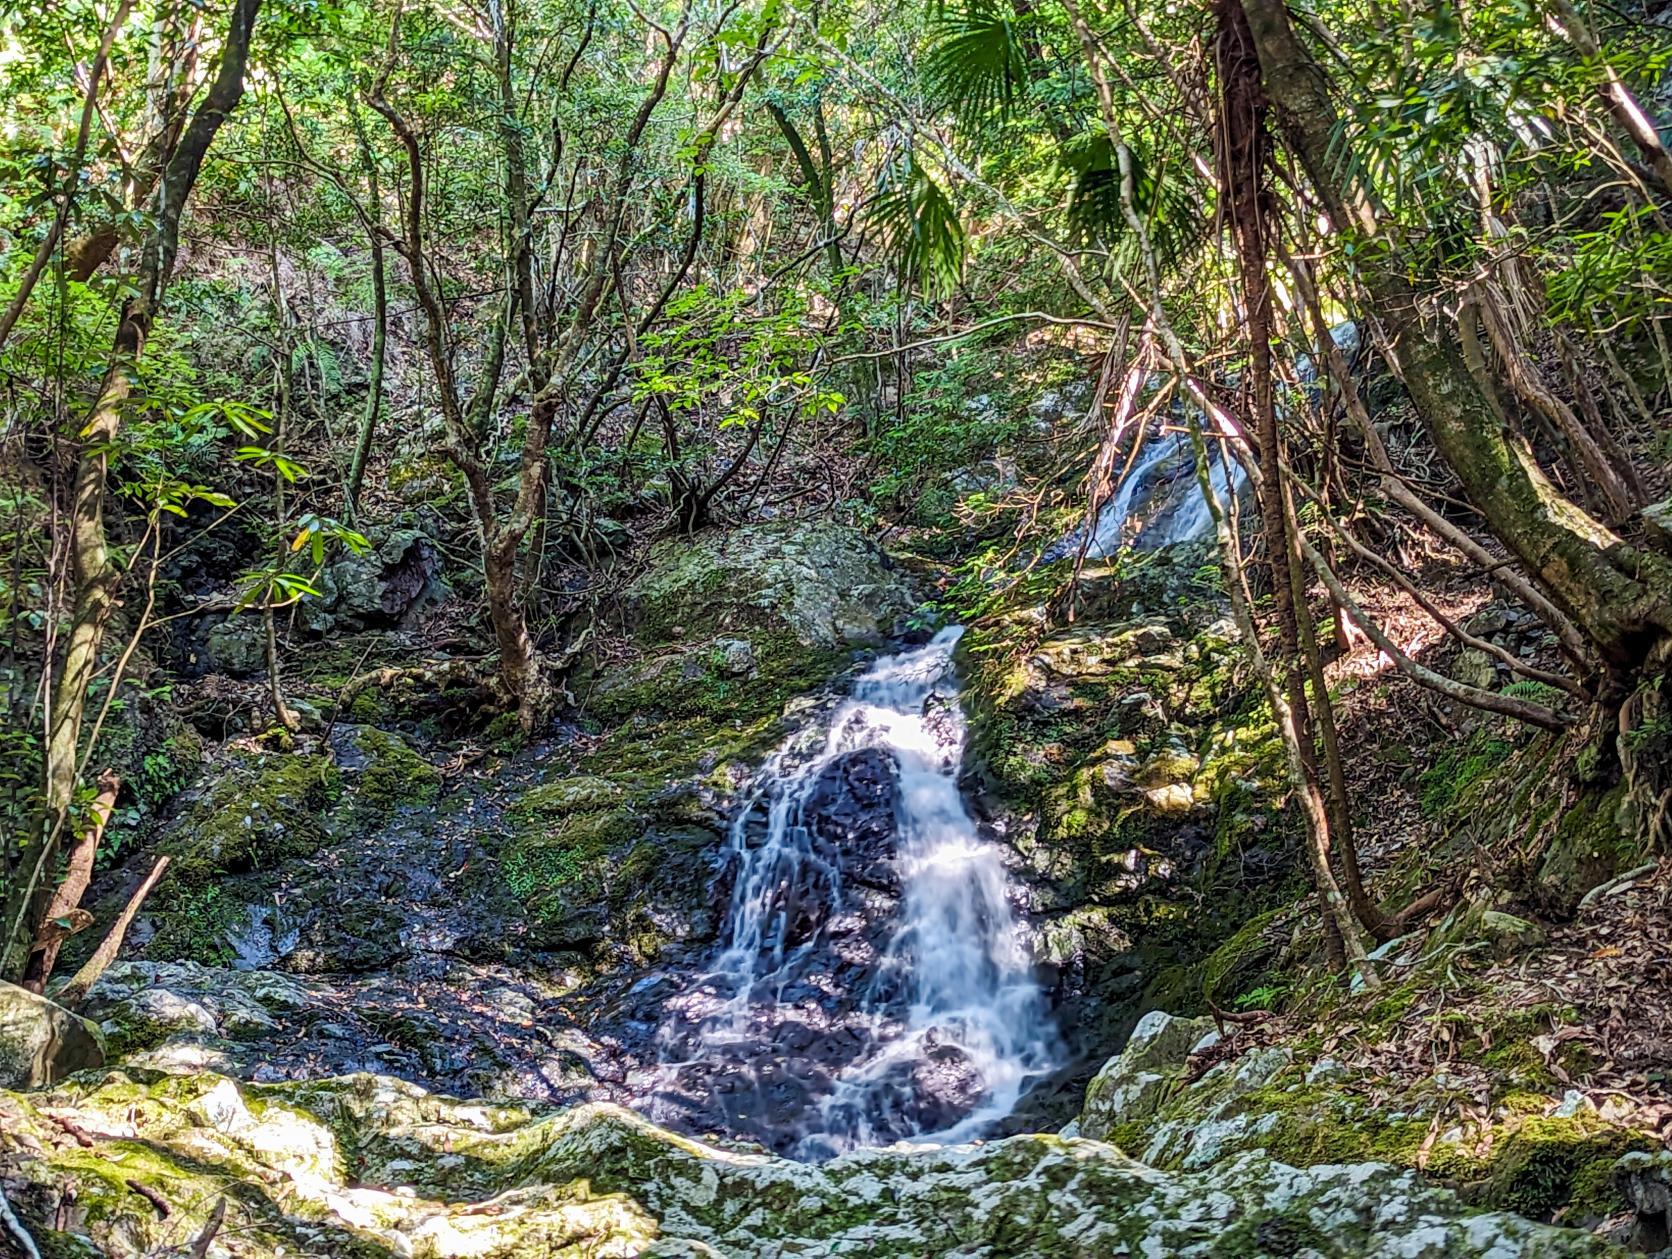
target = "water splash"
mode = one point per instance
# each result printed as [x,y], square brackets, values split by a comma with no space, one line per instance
[893,943]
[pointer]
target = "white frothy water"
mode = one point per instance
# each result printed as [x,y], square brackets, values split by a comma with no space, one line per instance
[951,1005]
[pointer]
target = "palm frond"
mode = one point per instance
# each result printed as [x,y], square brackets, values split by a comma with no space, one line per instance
[976,62]
[921,226]
[1172,204]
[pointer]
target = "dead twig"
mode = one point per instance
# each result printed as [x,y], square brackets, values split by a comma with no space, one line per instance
[200,1247]
[74,992]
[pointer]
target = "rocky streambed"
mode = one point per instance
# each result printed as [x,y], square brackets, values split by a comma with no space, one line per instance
[364,927]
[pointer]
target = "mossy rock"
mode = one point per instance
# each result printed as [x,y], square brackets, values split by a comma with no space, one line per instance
[393,775]
[367,1166]
[826,585]
[259,809]
[1590,847]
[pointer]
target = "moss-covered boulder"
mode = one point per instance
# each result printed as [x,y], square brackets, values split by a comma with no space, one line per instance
[613,868]
[826,585]
[367,1166]
[1528,1154]
[257,810]
[387,773]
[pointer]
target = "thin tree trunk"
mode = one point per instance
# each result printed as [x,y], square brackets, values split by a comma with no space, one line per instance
[1567,21]
[95,576]
[1618,594]
[380,322]
[49,242]
[1512,582]
[281,421]
[1243,159]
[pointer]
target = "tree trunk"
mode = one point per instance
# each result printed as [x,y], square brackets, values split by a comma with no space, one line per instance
[1619,595]
[380,322]
[94,575]
[1243,159]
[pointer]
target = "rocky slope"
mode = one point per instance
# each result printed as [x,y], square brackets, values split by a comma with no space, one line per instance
[373,913]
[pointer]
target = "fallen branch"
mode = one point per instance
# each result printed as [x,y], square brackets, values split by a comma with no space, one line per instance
[63,916]
[1616,883]
[74,992]
[150,1195]
[438,673]
[200,1247]
[1474,696]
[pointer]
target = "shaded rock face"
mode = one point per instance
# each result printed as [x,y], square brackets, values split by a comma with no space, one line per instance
[41,1042]
[398,576]
[370,1166]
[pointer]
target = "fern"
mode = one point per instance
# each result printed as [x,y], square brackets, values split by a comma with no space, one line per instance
[1531,691]
[1171,205]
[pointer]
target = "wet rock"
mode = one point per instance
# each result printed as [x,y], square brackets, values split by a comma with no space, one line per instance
[853,808]
[41,1042]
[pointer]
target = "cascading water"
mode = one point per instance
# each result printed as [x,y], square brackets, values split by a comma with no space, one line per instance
[873,983]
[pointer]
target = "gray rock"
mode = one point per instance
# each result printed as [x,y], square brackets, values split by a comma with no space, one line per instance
[41,1042]
[237,646]
[1134,1084]
[382,587]
[734,657]
[1657,523]
[371,1163]
[826,585]
[1646,1181]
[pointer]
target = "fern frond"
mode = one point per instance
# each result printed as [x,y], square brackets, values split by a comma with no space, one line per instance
[921,226]
[1171,203]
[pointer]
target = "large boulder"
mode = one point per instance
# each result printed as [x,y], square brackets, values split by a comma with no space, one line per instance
[1133,1084]
[41,1042]
[400,574]
[368,1165]
[825,585]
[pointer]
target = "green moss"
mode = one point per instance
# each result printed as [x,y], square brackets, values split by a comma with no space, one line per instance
[1445,784]
[263,810]
[567,856]
[1547,1165]
[1589,848]
[395,776]
[194,923]
[1234,965]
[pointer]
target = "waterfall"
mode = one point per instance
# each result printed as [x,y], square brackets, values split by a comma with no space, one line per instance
[873,983]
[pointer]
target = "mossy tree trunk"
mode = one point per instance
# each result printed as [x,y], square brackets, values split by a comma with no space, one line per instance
[1618,594]
[94,573]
